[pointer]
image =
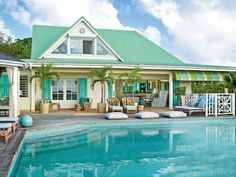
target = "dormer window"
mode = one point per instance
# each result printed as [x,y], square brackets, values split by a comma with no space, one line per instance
[76,46]
[102,49]
[61,49]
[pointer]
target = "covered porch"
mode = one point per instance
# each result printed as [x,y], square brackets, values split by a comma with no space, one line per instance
[9,84]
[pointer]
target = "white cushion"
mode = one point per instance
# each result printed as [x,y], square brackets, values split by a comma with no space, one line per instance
[130,107]
[5,125]
[147,115]
[116,115]
[115,108]
[175,114]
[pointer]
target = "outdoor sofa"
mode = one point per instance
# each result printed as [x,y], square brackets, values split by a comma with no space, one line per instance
[13,120]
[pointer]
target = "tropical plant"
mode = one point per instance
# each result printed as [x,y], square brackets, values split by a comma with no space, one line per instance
[230,81]
[131,78]
[208,87]
[43,73]
[101,76]
[179,91]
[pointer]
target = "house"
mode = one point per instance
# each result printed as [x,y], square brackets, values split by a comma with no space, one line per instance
[76,49]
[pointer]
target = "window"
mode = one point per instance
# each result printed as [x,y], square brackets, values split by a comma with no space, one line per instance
[71,90]
[80,46]
[57,90]
[87,47]
[65,90]
[61,49]
[101,49]
[23,86]
[76,46]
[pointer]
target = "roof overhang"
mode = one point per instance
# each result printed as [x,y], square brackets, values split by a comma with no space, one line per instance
[151,67]
[8,63]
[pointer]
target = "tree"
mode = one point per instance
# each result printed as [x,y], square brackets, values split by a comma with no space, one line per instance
[45,72]
[101,76]
[230,81]
[131,78]
[20,48]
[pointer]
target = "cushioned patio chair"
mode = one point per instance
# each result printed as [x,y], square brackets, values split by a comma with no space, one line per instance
[129,106]
[114,105]
[6,131]
[13,120]
[195,106]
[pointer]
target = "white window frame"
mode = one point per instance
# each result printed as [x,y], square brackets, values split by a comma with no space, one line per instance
[64,85]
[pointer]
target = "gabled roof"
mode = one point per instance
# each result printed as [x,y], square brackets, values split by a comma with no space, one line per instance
[132,47]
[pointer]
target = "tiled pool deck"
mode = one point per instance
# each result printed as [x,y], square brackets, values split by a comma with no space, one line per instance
[57,119]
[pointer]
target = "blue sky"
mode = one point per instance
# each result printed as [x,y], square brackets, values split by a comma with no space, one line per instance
[196,31]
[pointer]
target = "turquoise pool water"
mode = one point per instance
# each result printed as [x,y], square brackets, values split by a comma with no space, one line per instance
[174,148]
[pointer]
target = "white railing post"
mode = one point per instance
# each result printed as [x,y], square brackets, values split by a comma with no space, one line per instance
[216,107]
[233,103]
[206,112]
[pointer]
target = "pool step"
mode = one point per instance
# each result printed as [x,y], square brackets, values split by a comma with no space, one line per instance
[64,142]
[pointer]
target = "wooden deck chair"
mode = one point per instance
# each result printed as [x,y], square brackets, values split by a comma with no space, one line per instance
[114,105]
[6,131]
[13,120]
[129,106]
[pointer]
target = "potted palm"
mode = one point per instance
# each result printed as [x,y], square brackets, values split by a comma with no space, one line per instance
[101,76]
[43,73]
[131,78]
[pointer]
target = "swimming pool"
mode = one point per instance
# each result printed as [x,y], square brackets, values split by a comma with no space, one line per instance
[165,148]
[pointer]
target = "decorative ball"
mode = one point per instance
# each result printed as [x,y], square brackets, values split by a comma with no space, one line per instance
[26,121]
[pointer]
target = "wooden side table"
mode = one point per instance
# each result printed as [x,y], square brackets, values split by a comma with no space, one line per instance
[140,108]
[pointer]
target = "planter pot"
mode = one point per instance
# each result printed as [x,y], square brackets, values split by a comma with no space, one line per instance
[101,107]
[44,108]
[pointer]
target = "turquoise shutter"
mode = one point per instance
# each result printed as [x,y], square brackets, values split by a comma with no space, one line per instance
[166,86]
[175,98]
[110,90]
[83,90]
[47,93]
[4,86]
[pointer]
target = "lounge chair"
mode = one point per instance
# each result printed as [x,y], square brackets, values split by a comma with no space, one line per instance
[128,106]
[6,131]
[199,106]
[13,120]
[114,105]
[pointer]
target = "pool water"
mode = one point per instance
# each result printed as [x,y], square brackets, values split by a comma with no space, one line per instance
[205,148]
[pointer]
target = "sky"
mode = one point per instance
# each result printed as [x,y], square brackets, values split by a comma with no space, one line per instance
[196,31]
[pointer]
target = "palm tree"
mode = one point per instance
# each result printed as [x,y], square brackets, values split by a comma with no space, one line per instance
[131,78]
[45,72]
[230,80]
[101,76]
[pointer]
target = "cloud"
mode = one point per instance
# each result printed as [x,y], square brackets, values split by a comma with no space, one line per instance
[62,12]
[153,34]
[4,29]
[201,31]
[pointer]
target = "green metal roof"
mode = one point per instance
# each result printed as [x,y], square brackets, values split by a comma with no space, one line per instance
[131,46]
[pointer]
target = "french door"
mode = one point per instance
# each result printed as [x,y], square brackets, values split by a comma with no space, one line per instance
[65,92]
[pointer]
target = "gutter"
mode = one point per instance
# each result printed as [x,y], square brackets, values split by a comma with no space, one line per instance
[153,67]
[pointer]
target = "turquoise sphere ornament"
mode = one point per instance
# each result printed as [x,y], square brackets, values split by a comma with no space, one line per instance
[26,121]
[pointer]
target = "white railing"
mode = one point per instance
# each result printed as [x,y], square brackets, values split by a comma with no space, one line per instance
[216,103]
[220,104]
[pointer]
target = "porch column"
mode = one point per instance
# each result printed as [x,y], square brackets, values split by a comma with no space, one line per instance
[32,92]
[171,91]
[15,90]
